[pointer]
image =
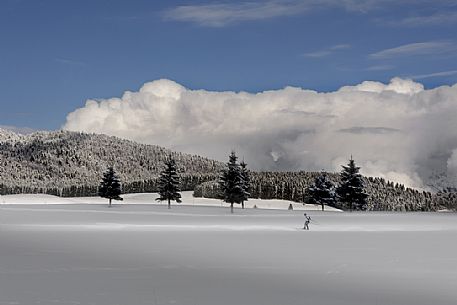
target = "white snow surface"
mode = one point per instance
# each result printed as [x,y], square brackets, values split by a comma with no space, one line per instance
[143,254]
[150,198]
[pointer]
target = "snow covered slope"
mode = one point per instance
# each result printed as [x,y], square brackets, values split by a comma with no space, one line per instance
[146,254]
[7,135]
[71,163]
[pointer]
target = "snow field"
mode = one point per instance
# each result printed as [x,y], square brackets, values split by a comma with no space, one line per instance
[143,254]
[149,198]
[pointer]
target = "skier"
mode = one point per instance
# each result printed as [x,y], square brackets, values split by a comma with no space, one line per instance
[307,221]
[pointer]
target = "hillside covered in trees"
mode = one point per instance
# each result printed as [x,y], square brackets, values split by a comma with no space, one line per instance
[71,164]
[382,195]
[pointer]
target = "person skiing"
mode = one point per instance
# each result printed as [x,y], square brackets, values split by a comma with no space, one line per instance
[307,221]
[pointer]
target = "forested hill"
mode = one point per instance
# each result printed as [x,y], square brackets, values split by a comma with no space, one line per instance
[71,164]
[383,195]
[66,163]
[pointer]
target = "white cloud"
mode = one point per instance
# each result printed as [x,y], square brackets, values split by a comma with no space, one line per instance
[222,14]
[435,74]
[380,68]
[328,51]
[227,13]
[340,47]
[397,130]
[71,62]
[317,54]
[419,48]
[439,18]
[397,85]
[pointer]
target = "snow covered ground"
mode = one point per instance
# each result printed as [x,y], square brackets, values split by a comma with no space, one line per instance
[145,254]
[149,198]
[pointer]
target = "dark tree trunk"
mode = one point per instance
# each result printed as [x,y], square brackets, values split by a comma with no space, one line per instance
[231,207]
[242,204]
[322,206]
[110,202]
[169,204]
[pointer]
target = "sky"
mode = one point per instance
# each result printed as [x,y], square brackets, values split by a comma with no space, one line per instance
[301,73]
[55,54]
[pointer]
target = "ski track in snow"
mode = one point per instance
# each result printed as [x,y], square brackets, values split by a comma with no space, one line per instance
[214,227]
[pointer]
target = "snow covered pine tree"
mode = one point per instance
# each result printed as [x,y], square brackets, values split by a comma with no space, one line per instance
[246,182]
[169,183]
[351,189]
[110,186]
[231,182]
[322,191]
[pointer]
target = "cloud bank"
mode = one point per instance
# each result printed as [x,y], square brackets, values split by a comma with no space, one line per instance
[398,130]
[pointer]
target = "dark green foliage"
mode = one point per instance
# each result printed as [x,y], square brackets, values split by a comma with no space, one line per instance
[351,189]
[231,182]
[110,186]
[169,183]
[383,195]
[208,189]
[322,191]
[246,182]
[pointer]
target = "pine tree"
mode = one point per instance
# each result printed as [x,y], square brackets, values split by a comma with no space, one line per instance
[110,186]
[169,183]
[246,182]
[351,189]
[322,191]
[231,182]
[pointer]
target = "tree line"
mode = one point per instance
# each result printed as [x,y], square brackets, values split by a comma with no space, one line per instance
[70,164]
[168,185]
[348,190]
[235,183]
[373,193]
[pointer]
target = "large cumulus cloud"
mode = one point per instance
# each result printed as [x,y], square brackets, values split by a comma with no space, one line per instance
[398,130]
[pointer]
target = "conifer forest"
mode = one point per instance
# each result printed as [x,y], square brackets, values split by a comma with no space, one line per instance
[71,164]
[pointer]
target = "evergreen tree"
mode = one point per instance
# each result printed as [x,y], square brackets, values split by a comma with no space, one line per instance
[169,183]
[231,182]
[110,186]
[351,189]
[322,191]
[246,182]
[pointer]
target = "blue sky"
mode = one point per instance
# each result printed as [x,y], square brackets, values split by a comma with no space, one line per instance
[55,54]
